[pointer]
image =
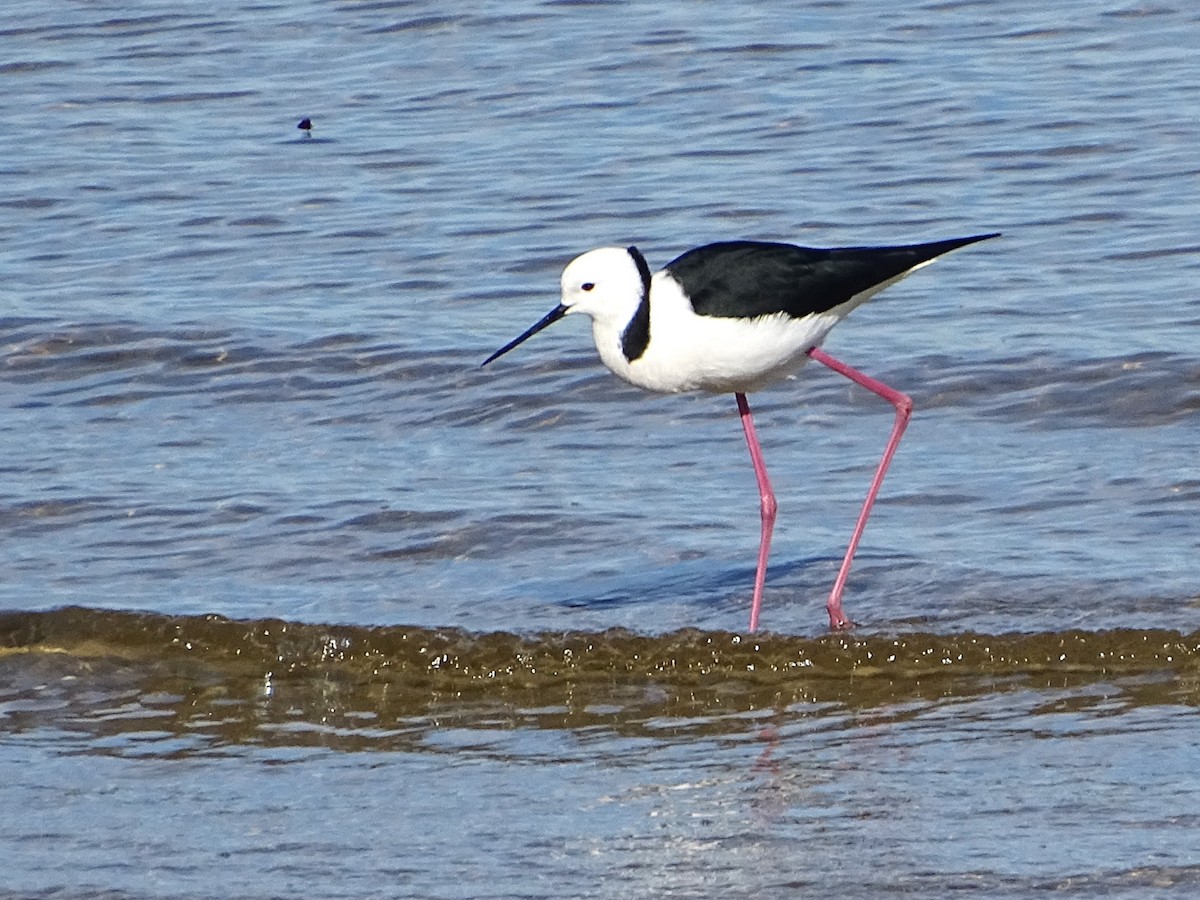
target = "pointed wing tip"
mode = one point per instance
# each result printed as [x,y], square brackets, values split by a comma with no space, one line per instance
[976,238]
[983,237]
[946,246]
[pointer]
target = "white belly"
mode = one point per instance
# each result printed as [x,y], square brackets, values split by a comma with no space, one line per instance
[704,353]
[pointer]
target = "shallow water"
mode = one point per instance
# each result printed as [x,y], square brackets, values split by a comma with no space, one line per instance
[385,760]
[476,631]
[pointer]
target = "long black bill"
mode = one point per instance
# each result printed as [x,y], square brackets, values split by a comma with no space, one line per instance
[545,322]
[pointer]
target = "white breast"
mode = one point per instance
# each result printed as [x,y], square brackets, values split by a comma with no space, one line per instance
[688,352]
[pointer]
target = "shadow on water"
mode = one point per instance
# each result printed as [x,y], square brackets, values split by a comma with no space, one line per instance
[149,684]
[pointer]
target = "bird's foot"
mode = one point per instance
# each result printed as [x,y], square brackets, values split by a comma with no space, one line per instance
[838,621]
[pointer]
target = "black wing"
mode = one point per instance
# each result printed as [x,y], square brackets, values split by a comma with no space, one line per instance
[743,279]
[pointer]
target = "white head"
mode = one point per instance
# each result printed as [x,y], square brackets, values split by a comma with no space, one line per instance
[606,284]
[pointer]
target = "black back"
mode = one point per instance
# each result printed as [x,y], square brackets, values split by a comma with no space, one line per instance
[744,279]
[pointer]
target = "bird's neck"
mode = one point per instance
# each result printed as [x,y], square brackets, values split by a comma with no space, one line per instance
[610,344]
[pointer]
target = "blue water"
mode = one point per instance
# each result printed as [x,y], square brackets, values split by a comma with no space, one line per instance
[240,376]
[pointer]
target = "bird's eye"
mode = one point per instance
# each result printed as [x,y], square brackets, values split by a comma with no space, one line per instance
[588,285]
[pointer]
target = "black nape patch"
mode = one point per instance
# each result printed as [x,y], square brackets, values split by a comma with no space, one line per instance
[636,336]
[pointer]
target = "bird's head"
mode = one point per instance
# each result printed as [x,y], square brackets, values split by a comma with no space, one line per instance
[607,285]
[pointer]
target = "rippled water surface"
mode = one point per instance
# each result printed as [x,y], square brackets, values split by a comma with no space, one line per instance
[297,601]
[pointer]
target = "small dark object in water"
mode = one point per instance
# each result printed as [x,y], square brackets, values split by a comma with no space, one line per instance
[306,126]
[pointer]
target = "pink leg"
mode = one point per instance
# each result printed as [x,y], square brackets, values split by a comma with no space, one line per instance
[903,404]
[768,507]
